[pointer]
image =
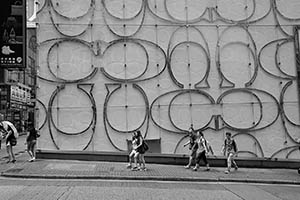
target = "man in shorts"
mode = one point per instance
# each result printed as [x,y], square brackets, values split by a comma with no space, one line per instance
[10,134]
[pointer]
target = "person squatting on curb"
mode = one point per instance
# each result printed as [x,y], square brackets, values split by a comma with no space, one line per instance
[137,152]
[201,151]
[31,142]
[193,146]
[229,149]
[10,134]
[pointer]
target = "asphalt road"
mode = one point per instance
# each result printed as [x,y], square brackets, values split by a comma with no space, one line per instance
[29,189]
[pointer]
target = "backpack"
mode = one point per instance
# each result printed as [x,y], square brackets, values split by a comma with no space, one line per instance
[233,144]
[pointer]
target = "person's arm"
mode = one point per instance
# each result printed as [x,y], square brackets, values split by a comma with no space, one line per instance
[140,143]
[8,134]
[224,148]
[187,143]
[204,145]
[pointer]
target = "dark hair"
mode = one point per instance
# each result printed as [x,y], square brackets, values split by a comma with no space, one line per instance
[228,133]
[138,133]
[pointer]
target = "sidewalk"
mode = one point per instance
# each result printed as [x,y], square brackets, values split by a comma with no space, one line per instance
[70,169]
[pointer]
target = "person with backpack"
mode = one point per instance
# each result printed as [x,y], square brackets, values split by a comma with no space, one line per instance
[201,151]
[141,149]
[192,146]
[10,134]
[230,150]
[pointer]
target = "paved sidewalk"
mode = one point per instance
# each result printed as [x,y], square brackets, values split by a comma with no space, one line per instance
[70,169]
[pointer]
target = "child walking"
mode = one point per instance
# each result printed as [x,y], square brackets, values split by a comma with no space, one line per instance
[201,152]
[230,149]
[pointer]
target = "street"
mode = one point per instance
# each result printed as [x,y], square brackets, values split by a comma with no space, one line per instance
[81,189]
[28,189]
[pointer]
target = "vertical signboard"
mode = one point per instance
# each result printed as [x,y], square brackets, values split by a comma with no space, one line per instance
[13,34]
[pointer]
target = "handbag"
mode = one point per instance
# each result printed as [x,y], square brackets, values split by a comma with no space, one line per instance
[145,146]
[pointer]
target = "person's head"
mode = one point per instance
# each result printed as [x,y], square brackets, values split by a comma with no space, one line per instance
[228,135]
[199,134]
[138,133]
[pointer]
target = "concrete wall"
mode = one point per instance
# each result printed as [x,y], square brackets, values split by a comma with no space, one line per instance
[107,68]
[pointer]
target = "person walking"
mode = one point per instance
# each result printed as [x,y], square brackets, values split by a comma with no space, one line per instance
[201,151]
[142,148]
[31,142]
[192,146]
[133,153]
[10,134]
[230,150]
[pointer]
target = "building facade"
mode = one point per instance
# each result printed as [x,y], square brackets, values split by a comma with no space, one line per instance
[107,68]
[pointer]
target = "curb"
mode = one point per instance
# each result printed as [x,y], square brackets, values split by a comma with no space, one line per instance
[151,178]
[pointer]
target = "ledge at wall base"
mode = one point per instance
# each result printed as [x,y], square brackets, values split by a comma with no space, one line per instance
[172,159]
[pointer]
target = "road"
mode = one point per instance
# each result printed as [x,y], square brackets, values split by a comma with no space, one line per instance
[30,189]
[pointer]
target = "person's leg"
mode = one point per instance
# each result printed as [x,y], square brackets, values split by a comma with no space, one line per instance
[197,160]
[33,148]
[12,154]
[8,152]
[136,155]
[205,161]
[229,160]
[142,160]
[130,159]
[191,158]
[234,163]
[29,150]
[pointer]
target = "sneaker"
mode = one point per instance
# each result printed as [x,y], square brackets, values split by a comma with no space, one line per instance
[128,166]
[227,172]
[236,167]
[143,169]
[8,161]
[195,169]
[13,161]
[187,166]
[207,169]
[134,168]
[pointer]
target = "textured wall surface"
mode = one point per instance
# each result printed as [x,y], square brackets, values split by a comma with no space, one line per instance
[110,67]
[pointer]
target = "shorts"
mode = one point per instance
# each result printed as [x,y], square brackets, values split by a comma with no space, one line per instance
[193,153]
[11,140]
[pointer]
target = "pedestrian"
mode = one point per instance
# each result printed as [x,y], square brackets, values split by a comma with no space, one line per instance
[31,142]
[141,149]
[192,146]
[201,151]
[133,153]
[10,134]
[229,149]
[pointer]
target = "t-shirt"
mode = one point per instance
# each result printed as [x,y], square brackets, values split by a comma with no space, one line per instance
[8,126]
[230,146]
[32,134]
[201,145]
[193,139]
